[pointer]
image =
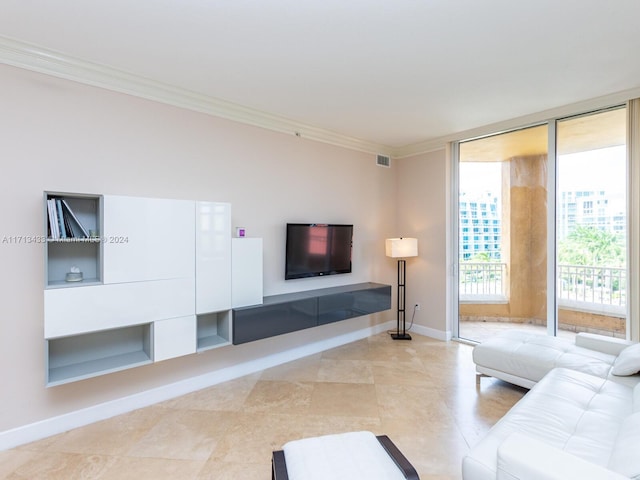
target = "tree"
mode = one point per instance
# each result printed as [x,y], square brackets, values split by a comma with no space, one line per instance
[587,245]
[481,257]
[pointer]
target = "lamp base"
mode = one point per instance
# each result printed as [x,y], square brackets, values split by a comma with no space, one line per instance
[401,336]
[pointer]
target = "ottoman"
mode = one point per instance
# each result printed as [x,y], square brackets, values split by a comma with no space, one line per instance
[340,457]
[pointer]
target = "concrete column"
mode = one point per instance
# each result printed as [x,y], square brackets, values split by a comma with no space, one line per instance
[526,217]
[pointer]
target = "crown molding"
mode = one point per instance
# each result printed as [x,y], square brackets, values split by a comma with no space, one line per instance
[39,59]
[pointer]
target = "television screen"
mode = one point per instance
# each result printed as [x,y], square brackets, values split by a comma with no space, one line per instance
[315,249]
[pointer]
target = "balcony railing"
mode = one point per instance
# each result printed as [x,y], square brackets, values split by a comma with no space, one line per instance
[589,286]
[482,279]
[606,286]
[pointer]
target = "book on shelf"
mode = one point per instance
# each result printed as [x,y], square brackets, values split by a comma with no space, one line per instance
[62,230]
[63,222]
[80,232]
[53,218]
[67,227]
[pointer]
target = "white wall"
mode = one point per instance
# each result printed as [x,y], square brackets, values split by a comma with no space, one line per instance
[62,136]
[421,198]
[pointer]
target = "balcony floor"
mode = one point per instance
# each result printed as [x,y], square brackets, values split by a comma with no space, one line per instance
[482,330]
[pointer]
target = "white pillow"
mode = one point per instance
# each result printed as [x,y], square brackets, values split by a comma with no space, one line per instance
[628,362]
[624,457]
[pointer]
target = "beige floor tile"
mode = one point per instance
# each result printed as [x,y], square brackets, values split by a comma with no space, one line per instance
[228,396]
[40,445]
[11,460]
[354,351]
[183,435]
[235,471]
[254,436]
[114,436]
[344,399]
[408,404]
[63,466]
[476,410]
[345,371]
[279,397]
[302,370]
[433,452]
[399,351]
[127,468]
[317,425]
[480,331]
[400,373]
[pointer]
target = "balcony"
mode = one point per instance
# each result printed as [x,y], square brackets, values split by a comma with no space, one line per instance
[482,282]
[590,299]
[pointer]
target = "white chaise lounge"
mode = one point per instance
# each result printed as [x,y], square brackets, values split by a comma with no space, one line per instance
[523,358]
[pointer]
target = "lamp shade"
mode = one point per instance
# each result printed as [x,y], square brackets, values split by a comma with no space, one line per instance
[401,247]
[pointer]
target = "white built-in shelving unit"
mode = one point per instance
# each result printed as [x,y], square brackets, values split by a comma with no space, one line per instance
[156,283]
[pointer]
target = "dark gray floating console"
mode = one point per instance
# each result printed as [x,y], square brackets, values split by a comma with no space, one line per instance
[279,314]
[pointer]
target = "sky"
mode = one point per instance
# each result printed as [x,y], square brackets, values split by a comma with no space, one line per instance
[603,169]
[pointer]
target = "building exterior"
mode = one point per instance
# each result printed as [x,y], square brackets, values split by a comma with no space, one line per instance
[480,225]
[600,209]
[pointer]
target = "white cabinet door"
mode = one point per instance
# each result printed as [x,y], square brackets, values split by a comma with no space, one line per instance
[174,337]
[147,239]
[246,272]
[71,311]
[213,257]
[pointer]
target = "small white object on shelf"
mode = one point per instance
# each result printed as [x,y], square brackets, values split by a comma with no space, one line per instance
[74,275]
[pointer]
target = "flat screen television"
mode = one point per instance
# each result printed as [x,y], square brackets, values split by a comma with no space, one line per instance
[316,249]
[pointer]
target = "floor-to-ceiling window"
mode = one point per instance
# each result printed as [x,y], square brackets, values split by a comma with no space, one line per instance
[502,260]
[541,236]
[591,232]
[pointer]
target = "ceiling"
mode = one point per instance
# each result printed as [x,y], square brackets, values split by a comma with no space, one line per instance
[392,72]
[577,134]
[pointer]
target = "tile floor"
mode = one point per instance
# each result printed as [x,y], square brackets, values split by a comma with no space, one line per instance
[421,393]
[481,331]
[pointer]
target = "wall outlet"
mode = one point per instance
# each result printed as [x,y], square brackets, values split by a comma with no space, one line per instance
[417,306]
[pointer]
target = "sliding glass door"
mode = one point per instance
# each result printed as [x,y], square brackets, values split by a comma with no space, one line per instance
[591,224]
[502,239]
[541,236]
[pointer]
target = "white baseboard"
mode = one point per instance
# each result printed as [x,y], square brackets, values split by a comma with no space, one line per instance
[445,336]
[62,423]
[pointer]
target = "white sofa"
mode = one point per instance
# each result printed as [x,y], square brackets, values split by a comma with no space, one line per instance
[573,423]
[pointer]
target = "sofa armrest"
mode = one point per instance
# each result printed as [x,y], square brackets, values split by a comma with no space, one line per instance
[523,457]
[600,343]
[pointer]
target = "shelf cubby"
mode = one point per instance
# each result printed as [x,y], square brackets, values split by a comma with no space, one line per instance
[61,254]
[213,330]
[88,355]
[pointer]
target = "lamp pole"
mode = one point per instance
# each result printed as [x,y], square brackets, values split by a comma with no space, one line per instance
[402,280]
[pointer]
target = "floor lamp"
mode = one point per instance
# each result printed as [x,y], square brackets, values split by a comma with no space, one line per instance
[401,248]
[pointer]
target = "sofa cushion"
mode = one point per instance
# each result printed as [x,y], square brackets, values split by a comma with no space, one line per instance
[535,464]
[577,413]
[628,362]
[625,458]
